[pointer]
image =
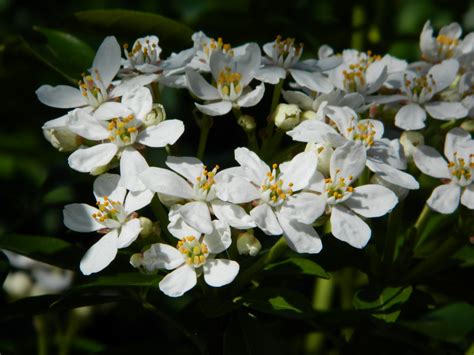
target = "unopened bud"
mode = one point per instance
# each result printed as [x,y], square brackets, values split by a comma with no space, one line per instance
[147,227]
[410,140]
[247,123]
[62,139]
[136,260]
[309,115]
[287,116]
[468,126]
[155,116]
[18,284]
[401,192]
[247,244]
[324,152]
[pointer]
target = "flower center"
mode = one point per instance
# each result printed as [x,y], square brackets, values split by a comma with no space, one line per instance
[338,189]
[109,210]
[273,187]
[143,52]
[194,252]
[286,48]
[206,179]
[92,88]
[364,132]
[228,82]
[214,45]
[460,170]
[420,86]
[123,130]
[354,75]
[446,45]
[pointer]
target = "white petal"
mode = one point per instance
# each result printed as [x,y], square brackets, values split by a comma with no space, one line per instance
[137,200]
[410,117]
[350,159]
[129,233]
[372,200]
[270,74]
[313,81]
[177,226]
[139,101]
[127,85]
[200,87]
[300,237]
[311,131]
[253,166]
[445,198]
[343,117]
[304,207]
[189,167]
[107,60]
[467,197]
[247,64]
[349,228]
[220,272]
[220,238]
[61,96]
[166,182]
[132,164]
[109,110]
[108,185]
[446,110]
[299,170]
[83,124]
[101,254]
[298,98]
[166,132]
[266,220]
[87,159]
[458,141]
[236,189]
[219,108]
[393,175]
[196,214]
[179,281]
[444,73]
[430,162]
[251,98]
[375,76]
[78,217]
[162,256]
[233,215]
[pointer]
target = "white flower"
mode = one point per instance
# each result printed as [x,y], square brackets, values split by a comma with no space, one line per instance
[383,157]
[418,92]
[93,88]
[457,172]
[194,255]
[448,43]
[123,132]
[466,90]
[283,57]
[345,202]
[114,215]
[196,187]
[232,76]
[279,209]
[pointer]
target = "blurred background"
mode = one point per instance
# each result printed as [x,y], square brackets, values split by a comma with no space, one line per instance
[35,179]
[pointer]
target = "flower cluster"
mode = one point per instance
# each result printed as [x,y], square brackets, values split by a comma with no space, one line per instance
[363,117]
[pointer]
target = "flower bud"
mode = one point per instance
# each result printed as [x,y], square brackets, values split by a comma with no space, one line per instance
[247,123]
[247,244]
[18,284]
[410,140]
[155,116]
[468,126]
[309,115]
[401,192]
[136,260]
[62,139]
[324,152]
[287,116]
[147,227]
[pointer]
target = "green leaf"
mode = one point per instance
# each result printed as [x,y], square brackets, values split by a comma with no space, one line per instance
[451,323]
[130,279]
[281,302]
[63,52]
[172,34]
[386,305]
[52,251]
[298,265]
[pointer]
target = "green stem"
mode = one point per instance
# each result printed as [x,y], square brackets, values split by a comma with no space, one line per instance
[276,95]
[393,224]
[162,216]
[71,330]
[204,125]
[364,177]
[156,92]
[170,320]
[274,253]
[42,334]
[421,222]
